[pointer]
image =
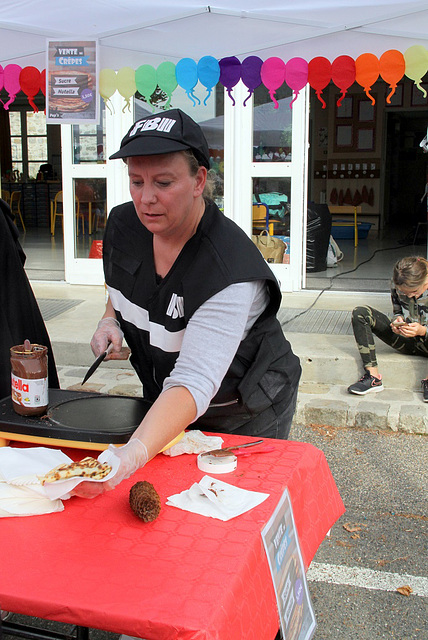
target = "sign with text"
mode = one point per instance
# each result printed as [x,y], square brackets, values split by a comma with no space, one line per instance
[282,548]
[71,82]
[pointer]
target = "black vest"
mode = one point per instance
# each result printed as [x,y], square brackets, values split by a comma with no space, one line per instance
[264,371]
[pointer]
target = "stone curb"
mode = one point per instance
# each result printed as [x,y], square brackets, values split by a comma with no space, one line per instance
[332,405]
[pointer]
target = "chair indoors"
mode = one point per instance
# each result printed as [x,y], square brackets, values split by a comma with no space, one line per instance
[57,210]
[5,195]
[15,206]
[261,218]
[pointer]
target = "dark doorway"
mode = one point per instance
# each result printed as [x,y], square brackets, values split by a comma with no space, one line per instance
[406,167]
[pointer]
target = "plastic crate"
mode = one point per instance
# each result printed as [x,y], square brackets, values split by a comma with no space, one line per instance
[340,232]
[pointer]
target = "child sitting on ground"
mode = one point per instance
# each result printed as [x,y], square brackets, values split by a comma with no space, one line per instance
[407,332]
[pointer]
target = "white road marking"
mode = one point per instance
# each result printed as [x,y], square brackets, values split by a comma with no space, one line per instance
[366,578]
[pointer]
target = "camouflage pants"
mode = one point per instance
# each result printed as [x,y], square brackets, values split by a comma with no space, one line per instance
[367,323]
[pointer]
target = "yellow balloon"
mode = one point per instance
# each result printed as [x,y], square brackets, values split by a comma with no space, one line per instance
[126,86]
[107,82]
[416,59]
[107,86]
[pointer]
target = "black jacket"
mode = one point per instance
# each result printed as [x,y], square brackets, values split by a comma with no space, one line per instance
[20,316]
[264,371]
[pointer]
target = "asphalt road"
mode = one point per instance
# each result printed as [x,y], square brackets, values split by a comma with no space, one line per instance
[380,543]
[377,546]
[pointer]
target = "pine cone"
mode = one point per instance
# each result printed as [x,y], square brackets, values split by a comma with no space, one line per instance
[145,501]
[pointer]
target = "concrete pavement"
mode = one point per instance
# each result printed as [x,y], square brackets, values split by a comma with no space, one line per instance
[329,362]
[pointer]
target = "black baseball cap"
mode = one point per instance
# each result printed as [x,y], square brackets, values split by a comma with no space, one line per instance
[165,132]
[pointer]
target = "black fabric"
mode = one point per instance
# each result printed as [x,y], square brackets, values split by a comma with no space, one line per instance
[20,316]
[264,371]
[317,237]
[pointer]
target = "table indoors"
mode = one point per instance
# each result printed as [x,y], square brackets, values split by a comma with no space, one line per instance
[183,576]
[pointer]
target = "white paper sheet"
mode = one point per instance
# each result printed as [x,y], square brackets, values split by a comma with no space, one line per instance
[216,499]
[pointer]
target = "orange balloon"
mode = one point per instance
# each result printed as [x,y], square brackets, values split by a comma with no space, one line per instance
[367,72]
[392,66]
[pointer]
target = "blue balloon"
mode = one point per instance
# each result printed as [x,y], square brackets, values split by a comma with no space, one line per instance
[208,74]
[186,72]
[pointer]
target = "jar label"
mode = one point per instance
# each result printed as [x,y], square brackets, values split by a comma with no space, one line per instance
[30,393]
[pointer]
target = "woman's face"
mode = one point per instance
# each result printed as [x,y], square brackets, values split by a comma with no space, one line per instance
[167,198]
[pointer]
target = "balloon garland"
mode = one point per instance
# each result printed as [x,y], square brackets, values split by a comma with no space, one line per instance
[273,73]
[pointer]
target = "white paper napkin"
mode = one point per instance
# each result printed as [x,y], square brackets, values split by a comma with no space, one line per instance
[25,501]
[21,468]
[28,463]
[216,499]
[194,441]
[21,493]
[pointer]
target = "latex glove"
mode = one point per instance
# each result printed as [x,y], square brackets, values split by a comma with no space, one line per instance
[108,332]
[132,455]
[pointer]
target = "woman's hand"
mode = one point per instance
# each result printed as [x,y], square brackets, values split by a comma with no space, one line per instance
[109,333]
[132,455]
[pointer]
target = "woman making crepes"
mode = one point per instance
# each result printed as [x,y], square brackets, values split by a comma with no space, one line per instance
[193,298]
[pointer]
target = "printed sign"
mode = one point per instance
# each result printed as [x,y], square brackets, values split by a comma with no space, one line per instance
[71,82]
[282,548]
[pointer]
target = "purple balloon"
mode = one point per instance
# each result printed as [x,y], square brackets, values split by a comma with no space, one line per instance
[250,74]
[230,74]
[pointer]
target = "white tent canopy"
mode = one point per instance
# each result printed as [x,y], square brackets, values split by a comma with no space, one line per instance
[134,32]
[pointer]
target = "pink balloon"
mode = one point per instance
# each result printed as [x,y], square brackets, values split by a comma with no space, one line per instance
[1,77]
[272,74]
[296,75]
[11,82]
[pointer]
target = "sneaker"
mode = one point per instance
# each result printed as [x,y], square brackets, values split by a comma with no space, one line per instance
[424,384]
[367,384]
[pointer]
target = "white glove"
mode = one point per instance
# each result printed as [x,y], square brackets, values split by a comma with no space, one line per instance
[132,455]
[108,332]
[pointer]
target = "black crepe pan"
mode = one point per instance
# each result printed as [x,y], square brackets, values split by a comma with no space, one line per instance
[79,416]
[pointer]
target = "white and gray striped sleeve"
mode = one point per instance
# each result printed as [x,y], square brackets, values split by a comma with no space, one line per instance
[212,338]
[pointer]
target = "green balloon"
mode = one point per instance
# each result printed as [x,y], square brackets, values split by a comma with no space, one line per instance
[166,78]
[145,79]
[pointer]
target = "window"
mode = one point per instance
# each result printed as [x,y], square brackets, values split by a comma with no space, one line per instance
[28,137]
[89,141]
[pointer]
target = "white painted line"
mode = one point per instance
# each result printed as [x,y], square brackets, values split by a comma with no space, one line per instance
[366,578]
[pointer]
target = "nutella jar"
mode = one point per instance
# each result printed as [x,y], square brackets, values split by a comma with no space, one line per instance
[29,365]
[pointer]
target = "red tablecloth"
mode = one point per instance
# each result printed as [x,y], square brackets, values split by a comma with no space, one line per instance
[183,576]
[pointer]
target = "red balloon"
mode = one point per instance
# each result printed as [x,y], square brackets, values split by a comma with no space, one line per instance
[319,75]
[29,79]
[392,66]
[367,72]
[343,74]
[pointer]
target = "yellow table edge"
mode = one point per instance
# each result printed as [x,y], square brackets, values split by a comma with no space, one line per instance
[6,437]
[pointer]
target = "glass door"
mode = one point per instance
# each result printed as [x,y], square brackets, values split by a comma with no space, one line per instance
[269,147]
[88,194]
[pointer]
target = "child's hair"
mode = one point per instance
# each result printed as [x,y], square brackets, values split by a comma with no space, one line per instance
[410,272]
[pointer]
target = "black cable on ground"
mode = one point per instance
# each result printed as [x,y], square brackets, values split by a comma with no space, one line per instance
[344,273]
